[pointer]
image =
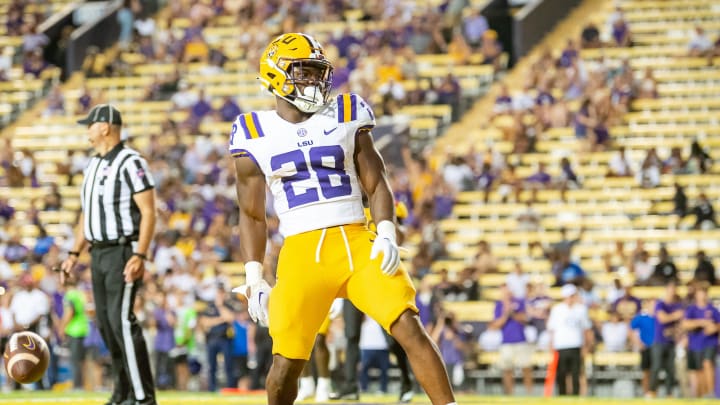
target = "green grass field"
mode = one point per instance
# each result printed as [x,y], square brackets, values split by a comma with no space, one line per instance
[186,398]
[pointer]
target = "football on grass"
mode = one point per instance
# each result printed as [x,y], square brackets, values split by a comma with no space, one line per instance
[26,357]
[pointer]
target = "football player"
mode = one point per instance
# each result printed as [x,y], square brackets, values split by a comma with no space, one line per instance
[315,153]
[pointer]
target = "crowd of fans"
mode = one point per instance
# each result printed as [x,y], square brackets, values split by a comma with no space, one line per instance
[185,309]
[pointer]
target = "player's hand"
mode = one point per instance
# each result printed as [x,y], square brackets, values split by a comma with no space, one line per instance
[336,308]
[386,244]
[257,295]
[134,269]
[257,292]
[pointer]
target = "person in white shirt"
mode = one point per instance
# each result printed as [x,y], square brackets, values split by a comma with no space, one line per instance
[569,328]
[374,352]
[700,44]
[620,164]
[517,281]
[615,334]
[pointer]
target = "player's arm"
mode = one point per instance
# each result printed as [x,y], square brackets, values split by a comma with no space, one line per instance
[373,178]
[250,187]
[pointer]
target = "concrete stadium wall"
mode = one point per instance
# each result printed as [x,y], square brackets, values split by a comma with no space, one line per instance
[535,20]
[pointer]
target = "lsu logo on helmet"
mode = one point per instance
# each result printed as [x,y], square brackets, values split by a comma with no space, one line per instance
[294,67]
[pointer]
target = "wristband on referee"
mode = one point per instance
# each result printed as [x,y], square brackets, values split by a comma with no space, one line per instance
[253,272]
[140,255]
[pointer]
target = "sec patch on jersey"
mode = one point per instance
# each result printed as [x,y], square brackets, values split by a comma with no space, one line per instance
[26,357]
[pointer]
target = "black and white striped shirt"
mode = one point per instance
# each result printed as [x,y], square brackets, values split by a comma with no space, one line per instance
[107,194]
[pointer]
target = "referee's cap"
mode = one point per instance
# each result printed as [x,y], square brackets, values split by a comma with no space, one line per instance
[102,113]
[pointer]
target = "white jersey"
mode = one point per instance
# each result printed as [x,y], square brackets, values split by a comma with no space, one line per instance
[309,166]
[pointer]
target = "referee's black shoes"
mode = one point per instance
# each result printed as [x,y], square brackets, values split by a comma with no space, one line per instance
[131,402]
[346,393]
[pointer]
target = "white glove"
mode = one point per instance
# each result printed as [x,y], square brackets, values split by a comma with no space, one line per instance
[257,292]
[385,243]
[336,308]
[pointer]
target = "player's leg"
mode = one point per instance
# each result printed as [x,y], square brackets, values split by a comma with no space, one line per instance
[424,357]
[397,313]
[299,303]
[322,364]
[406,387]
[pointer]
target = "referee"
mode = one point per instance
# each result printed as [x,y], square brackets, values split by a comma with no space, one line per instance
[117,222]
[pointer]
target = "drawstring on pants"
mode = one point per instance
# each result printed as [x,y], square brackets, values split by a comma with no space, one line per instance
[347,246]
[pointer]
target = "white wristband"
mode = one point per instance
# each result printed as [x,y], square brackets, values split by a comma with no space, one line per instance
[386,229]
[253,272]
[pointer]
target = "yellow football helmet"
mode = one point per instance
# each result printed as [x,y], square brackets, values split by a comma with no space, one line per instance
[294,67]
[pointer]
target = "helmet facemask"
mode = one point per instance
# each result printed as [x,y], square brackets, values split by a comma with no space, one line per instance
[311,80]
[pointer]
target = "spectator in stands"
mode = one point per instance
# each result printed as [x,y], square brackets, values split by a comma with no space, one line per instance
[216,321]
[668,313]
[485,261]
[503,102]
[620,164]
[567,179]
[590,37]
[6,210]
[680,202]
[446,334]
[459,50]
[539,180]
[468,285]
[569,272]
[646,87]
[649,174]
[702,321]
[675,163]
[34,64]
[491,49]
[485,180]
[528,219]
[700,44]
[517,281]
[615,333]
[704,213]
[570,331]
[627,305]
[515,352]
[621,33]
[583,120]
[185,98]
[699,161]
[55,103]
[704,270]
[474,26]
[458,175]
[538,305]
[163,320]
[665,271]
[229,110]
[643,333]
[449,92]
[509,183]
[15,251]
[374,353]
[32,39]
[642,268]
[125,18]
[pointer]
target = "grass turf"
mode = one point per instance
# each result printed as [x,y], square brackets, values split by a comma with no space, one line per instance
[186,398]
